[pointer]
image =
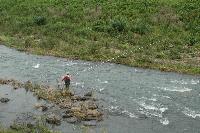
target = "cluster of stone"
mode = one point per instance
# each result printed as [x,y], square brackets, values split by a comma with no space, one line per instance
[77,108]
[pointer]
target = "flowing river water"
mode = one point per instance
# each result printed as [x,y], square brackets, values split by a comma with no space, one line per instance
[134,100]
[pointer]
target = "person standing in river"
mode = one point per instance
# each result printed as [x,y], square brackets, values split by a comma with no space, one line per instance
[66,78]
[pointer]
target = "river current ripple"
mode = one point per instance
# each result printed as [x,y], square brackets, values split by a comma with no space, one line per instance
[134,100]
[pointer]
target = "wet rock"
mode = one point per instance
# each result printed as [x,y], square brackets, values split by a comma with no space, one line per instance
[15,87]
[77,98]
[4,100]
[72,120]
[142,116]
[41,107]
[92,105]
[90,123]
[65,104]
[85,98]
[24,120]
[14,127]
[80,98]
[82,111]
[89,94]
[93,115]
[67,93]
[53,119]
[3,82]
[67,114]
[93,99]
[76,109]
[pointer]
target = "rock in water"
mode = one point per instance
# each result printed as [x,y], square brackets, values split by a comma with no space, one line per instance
[93,115]
[142,116]
[53,119]
[4,100]
[92,105]
[24,120]
[89,94]
[72,120]
[15,87]
[90,123]
[41,107]
[67,114]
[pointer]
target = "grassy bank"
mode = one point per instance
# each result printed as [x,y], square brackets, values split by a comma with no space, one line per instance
[158,34]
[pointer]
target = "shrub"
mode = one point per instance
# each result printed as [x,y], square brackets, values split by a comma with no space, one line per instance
[118,25]
[39,20]
[191,40]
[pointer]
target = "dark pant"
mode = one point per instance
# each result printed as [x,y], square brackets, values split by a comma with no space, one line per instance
[67,83]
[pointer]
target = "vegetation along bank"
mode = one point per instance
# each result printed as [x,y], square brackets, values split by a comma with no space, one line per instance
[158,34]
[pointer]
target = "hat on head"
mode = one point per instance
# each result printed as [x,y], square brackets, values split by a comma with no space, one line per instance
[67,73]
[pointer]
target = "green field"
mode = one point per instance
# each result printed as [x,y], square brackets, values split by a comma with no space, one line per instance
[158,34]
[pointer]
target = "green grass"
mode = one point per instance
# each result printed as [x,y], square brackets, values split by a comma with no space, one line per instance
[158,34]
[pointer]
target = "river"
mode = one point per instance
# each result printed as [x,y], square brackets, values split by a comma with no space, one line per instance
[134,100]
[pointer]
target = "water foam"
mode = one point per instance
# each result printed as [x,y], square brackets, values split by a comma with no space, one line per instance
[190,113]
[131,115]
[193,82]
[101,89]
[175,89]
[36,66]
[164,121]
[167,97]
[153,106]
[117,110]
[179,82]
[149,99]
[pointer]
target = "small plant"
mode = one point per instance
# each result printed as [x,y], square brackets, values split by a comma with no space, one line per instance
[140,28]
[144,60]
[175,54]
[99,26]
[48,43]
[191,40]
[118,25]
[39,20]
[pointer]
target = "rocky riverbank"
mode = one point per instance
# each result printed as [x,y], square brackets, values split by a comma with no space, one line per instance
[75,108]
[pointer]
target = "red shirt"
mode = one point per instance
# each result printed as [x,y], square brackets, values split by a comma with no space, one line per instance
[66,78]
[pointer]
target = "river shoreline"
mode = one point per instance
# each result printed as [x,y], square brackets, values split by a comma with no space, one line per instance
[133,99]
[176,67]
